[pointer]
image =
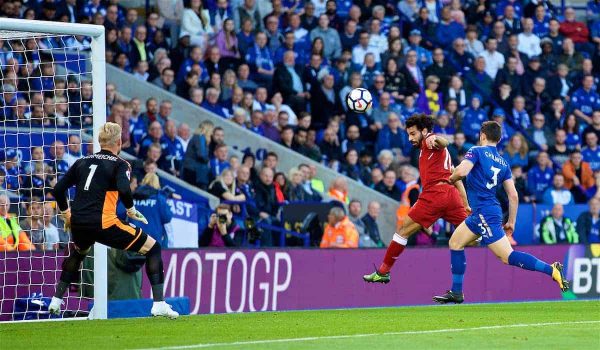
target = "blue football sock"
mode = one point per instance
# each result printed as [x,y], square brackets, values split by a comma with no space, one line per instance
[458,265]
[529,262]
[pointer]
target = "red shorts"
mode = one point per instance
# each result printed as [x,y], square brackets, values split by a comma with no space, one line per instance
[440,201]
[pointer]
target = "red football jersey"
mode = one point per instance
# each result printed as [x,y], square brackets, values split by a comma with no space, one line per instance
[435,165]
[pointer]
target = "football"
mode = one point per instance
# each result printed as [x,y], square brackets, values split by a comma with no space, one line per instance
[359,100]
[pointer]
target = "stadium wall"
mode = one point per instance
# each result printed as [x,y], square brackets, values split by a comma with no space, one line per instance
[244,140]
[224,281]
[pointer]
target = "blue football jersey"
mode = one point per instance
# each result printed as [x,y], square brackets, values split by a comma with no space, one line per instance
[489,171]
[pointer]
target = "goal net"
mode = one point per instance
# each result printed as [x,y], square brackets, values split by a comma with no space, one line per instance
[52,102]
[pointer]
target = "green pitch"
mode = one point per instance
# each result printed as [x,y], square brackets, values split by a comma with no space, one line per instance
[547,326]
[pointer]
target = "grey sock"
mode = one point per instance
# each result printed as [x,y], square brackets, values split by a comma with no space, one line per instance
[61,289]
[157,292]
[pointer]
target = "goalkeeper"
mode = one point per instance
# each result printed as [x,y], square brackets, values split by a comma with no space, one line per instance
[101,180]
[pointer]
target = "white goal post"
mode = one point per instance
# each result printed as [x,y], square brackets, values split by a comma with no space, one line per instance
[12,30]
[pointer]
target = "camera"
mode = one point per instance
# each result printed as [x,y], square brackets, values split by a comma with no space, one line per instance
[222,218]
[253,231]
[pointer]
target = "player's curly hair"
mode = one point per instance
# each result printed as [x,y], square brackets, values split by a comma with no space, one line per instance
[421,121]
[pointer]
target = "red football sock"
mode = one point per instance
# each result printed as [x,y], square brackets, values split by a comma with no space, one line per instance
[392,253]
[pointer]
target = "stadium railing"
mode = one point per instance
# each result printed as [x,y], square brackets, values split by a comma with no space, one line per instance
[242,139]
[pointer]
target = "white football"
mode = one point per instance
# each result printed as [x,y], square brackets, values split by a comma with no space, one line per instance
[359,100]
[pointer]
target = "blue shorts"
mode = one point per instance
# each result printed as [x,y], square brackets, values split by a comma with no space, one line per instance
[486,225]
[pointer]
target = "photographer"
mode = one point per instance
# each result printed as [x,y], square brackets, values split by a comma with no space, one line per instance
[222,231]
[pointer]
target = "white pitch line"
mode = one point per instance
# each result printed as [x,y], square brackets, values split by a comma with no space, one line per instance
[332,337]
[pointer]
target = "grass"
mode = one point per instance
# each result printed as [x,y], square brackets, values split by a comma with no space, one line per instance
[342,329]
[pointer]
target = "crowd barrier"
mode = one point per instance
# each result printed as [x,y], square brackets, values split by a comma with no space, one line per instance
[225,281]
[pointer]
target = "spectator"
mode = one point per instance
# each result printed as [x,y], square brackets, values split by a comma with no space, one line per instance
[529,43]
[511,18]
[509,75]
[266,202]
[287,137]
[459,148]
[370,222]
[155,134]
[12,237]
[579,177]
[184,135]
[388,185]
[338,190]
[195,165]
[222,231]
[588,223]
[558,193]
[585,100]
[152,203]
[354,209]
[392,137]
[380,114]
[288,80]
[173,151]
[474,46]
[521,184]
[570,57]
[33,224]
[414,75]
[195,20]
[166,81]
[456,95]
[474,116]
[448,29]
[539,177]
[353,140]
[494,61]
[313,186]
[330,147]
[574,30]
[559,152]
[477,80]
[461,59]
[211,103]
[441,69]
[539,133]
[518,115]
[339,231]
[295,190]
[571,126]
[538,99]
[424,58]
[224,187]
[556,228]
[260,59]
[331,38]
[219,162]
[595,126]
[590,152]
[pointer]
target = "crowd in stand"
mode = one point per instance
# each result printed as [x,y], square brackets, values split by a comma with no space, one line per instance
[282,69]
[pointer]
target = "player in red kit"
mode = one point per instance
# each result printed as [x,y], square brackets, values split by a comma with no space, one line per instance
[438,199]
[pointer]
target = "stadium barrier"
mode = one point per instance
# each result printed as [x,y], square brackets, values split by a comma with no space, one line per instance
[224,281]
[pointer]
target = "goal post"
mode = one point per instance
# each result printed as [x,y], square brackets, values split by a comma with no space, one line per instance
[22,30]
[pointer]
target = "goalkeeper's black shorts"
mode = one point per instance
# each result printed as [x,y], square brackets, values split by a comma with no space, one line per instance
[120,235]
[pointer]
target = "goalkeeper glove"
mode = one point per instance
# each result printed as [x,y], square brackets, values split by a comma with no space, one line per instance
[66,217]
[136,215]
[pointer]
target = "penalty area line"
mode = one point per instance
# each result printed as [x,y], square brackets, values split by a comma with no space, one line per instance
[349,336]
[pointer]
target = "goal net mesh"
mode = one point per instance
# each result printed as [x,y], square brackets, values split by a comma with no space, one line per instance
[45,125]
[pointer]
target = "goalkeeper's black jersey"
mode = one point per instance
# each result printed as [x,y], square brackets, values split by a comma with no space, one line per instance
[100,180]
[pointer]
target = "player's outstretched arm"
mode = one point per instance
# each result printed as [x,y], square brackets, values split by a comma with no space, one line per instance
[436,142]
[513,205]
[461,171]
